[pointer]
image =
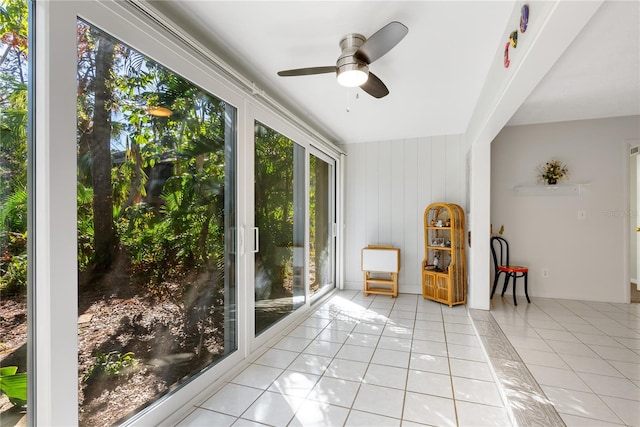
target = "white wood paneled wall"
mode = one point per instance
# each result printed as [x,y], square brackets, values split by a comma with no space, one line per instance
[388,186]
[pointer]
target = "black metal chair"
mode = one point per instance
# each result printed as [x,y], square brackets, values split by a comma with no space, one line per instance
[500,253]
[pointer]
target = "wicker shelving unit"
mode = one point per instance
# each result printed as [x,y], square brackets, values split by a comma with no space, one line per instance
[444,268]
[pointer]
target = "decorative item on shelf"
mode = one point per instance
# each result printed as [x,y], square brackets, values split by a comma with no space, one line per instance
[432,223]
[552,171]
[499,233]
[439,223]
[437,241]
[447,223]
[447,243]
[436,261]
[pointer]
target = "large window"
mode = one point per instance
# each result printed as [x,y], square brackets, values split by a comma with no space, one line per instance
[155,214]
[13,210]
[280,225]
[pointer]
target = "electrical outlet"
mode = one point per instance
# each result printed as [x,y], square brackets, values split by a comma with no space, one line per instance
[582,214]
[545,272]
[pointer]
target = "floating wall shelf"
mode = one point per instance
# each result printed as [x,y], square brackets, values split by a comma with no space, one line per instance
[576,189]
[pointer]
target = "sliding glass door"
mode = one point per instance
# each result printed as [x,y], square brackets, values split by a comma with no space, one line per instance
[155,213]
[156,176]
[279,226]
[321,224]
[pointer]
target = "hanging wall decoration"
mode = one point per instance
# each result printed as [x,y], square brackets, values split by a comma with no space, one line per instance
[506,56]
[513,37]
[524,18]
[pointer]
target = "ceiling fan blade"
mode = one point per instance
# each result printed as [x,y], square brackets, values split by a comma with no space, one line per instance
[381,42]
[374,86]
[307,71]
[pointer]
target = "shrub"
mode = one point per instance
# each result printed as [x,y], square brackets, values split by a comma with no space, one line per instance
[13,274]
[111,364]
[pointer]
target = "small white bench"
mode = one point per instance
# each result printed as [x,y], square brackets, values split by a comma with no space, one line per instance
[380,265]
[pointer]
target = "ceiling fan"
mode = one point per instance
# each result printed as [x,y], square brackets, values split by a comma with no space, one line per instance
[352,67]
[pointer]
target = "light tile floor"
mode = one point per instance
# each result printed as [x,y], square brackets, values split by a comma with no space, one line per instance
[585,355]
[376,361]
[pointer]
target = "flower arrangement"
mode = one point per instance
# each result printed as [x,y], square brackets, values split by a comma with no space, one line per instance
[552,171]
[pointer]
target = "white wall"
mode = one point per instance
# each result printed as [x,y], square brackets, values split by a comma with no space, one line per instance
[586,258]
[553,29]
[388,186]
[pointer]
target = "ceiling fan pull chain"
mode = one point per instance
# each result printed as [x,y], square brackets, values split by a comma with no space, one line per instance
[347,92]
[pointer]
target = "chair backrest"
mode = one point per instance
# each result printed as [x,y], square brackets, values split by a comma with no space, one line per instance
[499,251]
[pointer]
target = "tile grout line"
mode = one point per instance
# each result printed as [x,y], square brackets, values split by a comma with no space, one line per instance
[453,390]
[336,317]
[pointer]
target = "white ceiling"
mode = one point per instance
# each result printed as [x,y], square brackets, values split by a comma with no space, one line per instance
[434,75]
[599,74]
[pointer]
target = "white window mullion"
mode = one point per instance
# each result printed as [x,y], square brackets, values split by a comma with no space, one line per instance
[55,265]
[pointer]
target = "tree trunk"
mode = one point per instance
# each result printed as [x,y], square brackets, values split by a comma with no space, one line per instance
[100,142]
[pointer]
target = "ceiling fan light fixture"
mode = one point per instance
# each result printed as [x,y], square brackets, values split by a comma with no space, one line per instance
[357,53]
[353,74]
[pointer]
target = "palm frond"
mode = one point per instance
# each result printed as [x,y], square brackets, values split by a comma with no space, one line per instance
[13,212]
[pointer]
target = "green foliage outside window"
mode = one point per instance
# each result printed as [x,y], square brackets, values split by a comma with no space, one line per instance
[111,364]
[14,385]
[166,228]
[13,146]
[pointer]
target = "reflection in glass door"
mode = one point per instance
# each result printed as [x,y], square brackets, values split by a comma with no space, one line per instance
[156,198]
[321,219]
[279,221]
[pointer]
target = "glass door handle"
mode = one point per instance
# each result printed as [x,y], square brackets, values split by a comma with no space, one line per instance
[233,243]
[256,240]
